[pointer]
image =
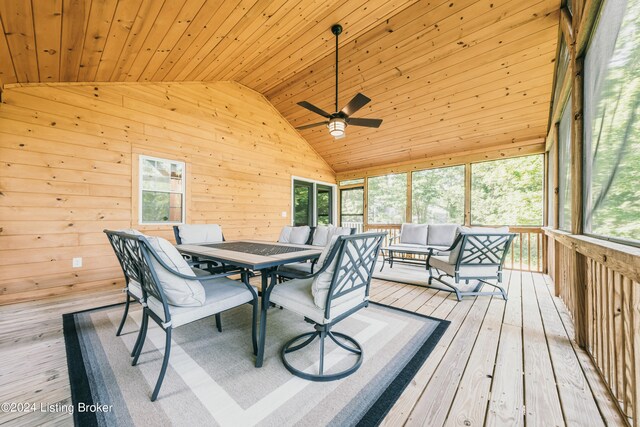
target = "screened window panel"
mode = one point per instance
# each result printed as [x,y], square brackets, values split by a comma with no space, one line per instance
[564,165]
[387,199]
[563,64]
[438,196]
[508,192]
[612,123]
[550,192]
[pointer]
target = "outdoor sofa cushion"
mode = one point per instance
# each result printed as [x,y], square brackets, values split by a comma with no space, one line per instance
[414,233]
[442,234]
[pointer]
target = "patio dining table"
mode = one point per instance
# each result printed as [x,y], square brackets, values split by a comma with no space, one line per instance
[255,255]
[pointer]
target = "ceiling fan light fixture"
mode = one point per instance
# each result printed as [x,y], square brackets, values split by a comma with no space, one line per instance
[337,127]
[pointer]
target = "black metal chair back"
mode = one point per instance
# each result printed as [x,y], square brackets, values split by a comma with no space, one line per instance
[484,249]
[119,245]
[355,258]
[138,253]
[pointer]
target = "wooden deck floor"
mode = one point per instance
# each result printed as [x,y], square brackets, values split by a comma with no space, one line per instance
[499,363]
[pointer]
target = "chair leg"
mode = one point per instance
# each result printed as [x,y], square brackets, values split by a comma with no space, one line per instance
[138,339]
[323,334]
[142,335]
[124,316]
[254,337]
[218,322]
[165,363]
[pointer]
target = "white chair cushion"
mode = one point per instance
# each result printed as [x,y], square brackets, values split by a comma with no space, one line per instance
[284,234]
[322,281]
[135,289]
[471,271]
[178,291]
[296,295]
[295,235]
[453,255]
[322,235]
[221,294]
[300,235]
[341,231]
[200,233]
[297,267]
[442,234]
[405,247]
[415,234]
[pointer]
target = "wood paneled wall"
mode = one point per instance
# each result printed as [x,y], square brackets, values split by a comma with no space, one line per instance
[69,170]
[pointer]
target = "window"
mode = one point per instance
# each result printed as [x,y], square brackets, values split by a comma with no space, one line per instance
[313,203]
[352,208]
[438,195]
[564,166]
[508,192]
[387,199]
[612,124]
[162,189]
[352,182]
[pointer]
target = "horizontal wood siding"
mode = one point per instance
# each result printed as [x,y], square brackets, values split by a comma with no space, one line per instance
[69,170]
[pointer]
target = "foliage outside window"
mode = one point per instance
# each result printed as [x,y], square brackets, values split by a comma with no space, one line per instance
[352,182]
[387,199]
[508,192]
[550,193]
[437,195]
[162,190]
[302,203]
[612,124]
[564,166]
[352,208]
[324,204]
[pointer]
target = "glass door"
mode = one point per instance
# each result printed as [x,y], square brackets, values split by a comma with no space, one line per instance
[324,204]
[302,203]
[352,208]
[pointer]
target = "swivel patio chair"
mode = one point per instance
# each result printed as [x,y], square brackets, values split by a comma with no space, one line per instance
[337,290]
[476,254]
[174,297]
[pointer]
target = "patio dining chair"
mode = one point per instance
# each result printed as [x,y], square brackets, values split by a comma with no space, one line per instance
[132,287]
[478,254]
[321,237]
[188,234]
[175,296]
[333,293]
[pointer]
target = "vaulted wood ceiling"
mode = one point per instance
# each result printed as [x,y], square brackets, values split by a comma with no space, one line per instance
[445,76]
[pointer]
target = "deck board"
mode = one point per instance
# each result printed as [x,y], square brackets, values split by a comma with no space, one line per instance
[494,360]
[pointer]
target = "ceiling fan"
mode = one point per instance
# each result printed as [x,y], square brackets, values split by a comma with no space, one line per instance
[338,121]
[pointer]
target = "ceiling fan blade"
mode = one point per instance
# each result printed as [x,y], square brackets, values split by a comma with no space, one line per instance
[315,109]
[370,123]
[312,125]
[355,104]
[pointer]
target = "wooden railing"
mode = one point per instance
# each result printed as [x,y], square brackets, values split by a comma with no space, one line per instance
[526,251]
[357,225]
[599,282]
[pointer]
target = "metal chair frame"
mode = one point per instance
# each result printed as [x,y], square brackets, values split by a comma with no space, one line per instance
[347,278]
[140,254]
[476,250]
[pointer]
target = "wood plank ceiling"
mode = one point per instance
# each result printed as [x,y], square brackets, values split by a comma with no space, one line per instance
[445,76]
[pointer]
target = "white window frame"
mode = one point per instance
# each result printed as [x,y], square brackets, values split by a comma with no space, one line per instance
[142,158]
[315,183]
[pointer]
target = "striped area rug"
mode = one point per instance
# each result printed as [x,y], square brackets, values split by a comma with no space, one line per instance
[212,380]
